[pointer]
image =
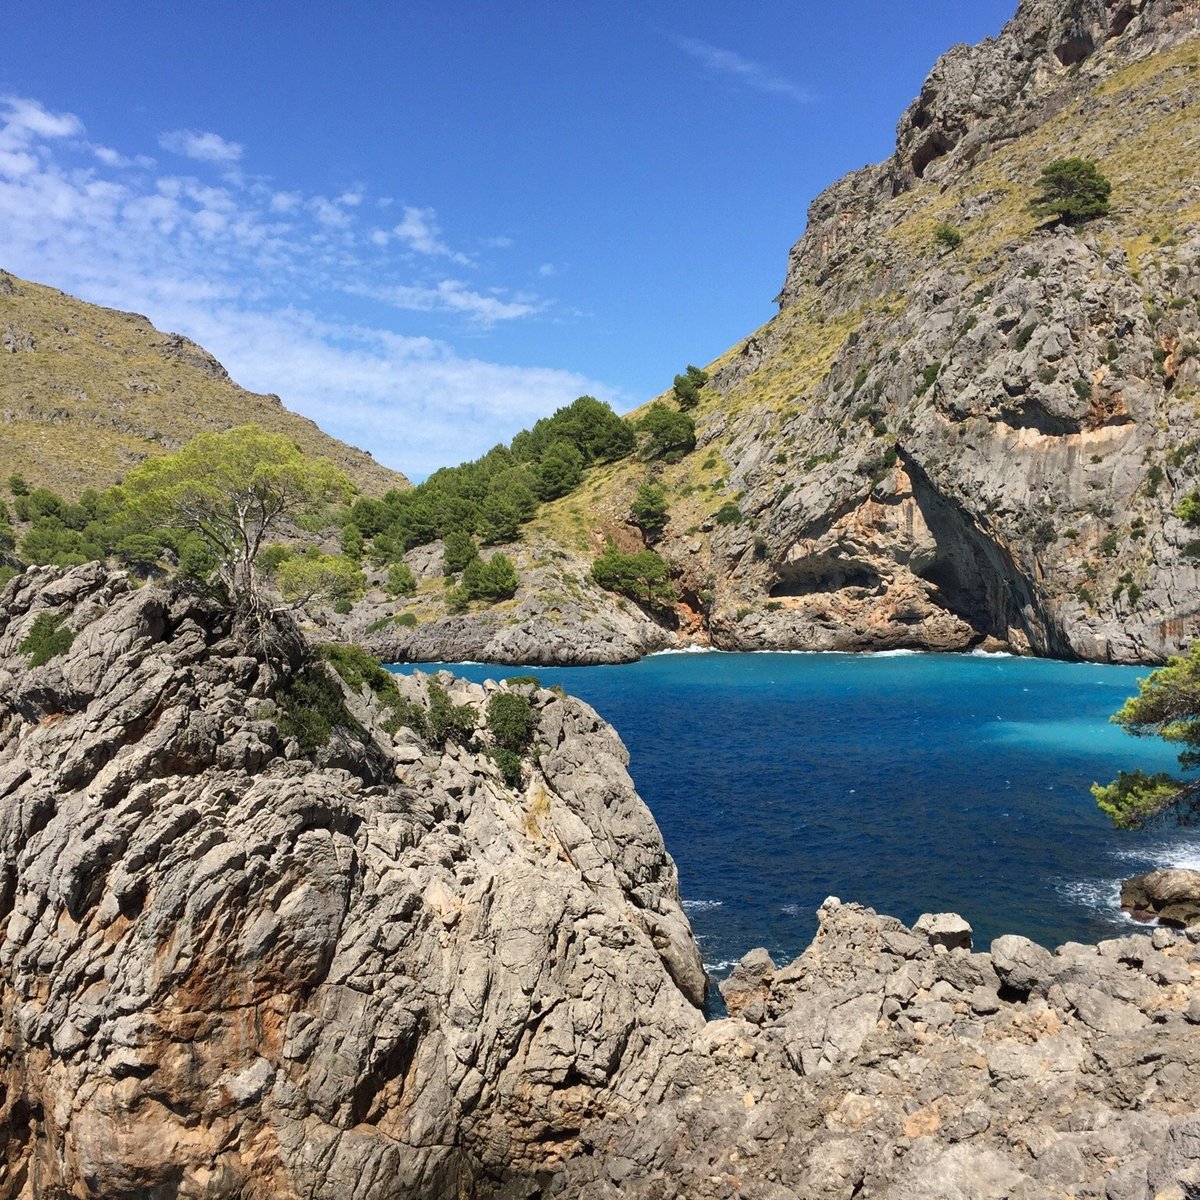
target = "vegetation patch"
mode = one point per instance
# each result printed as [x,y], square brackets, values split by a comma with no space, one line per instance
[47,638]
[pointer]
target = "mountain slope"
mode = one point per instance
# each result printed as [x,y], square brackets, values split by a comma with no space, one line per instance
[985,445]
[88,392]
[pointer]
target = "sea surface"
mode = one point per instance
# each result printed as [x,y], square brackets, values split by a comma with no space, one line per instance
[908,782]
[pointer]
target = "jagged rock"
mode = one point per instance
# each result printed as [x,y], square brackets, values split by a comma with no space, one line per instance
[233,968]
[1170,895]
[1018,1096]
[944,929]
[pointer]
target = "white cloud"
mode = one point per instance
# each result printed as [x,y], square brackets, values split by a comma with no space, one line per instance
[203,147]
[286,202]
[25,119]
[743,70]
[450,295]
[415,403]
[252,270]
[547,271]
[418,230]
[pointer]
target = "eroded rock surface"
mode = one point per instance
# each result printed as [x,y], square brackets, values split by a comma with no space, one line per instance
[1170,895]
[231,969]
[881,1065]
[234,968]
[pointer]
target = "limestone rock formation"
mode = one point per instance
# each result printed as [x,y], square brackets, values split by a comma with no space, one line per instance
[555,619]
[965,427]
[1170,895]
[233,967]
[986,443]
[242,957]
[883,1067]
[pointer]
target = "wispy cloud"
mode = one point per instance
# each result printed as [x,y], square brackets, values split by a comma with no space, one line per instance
[743,70]
[203,147]
[418,231]
[451,295]
[248,269]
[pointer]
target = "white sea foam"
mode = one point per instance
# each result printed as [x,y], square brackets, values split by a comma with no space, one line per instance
[990,654]
[726,964]
[895,653]
[700,905]
[1167,852]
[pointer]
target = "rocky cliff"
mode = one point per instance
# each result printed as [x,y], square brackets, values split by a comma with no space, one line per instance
[87,392]
[964,427]
[229,967]
[244,958]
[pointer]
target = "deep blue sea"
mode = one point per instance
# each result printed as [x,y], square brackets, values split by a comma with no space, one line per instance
[908,782]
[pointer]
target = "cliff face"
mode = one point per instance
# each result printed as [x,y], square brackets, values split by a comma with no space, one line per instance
[993,443]
[231,969]
[944,446]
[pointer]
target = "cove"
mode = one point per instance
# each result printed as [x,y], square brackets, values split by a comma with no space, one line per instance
[907,782]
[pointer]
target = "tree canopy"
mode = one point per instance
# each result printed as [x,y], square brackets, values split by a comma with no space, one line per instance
[1167,706]
[1073,190]
[231,489]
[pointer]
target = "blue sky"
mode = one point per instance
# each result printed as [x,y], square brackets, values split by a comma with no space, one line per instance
[427,224]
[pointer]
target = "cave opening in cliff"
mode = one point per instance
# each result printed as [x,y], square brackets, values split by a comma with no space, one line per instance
[934,147]
[822,575]
[1074,50]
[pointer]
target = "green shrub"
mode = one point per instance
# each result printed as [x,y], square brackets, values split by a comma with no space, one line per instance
[406,620]
[929,374]
[493,580]
[7,573]
[509,762]
[946,237]
[405,714]
[728,514]
[1108,547]
[649,509]
[523,681]
[47,638]
[400,581]
[665,433]
[352,541]
[644,577]
[1025,335]
[447,721]
[687,387]
[311,706]
[1072,189]
[510,720]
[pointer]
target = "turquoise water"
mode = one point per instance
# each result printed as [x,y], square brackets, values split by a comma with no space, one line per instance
[908,782]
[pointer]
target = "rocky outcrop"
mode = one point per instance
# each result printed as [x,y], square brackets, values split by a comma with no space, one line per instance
[557,618]
[980,440]
[244,957]
[881,1064]
[1170,895]
[234,966]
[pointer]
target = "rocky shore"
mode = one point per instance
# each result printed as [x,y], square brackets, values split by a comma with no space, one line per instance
[231,966]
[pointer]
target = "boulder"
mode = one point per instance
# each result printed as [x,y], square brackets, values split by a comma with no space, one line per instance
[944,929]
[1170,895]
